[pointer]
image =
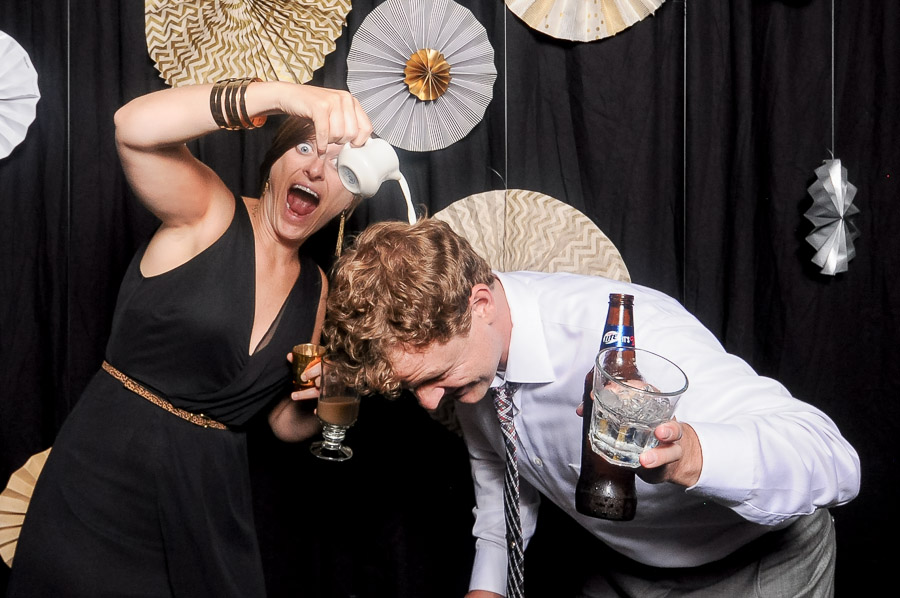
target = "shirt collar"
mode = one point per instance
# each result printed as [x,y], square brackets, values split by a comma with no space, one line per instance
[528,360]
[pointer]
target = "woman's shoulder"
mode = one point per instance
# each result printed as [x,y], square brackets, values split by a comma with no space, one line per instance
[173,246]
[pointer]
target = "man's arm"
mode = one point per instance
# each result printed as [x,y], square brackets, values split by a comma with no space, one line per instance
[488,469]
[741,439]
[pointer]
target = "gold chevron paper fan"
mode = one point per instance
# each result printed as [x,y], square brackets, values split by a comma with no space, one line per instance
[423,71]
[14,503]
[517,229]
[202,41]
[582,20]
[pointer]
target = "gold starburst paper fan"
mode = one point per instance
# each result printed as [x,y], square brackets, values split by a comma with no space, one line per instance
[582,20]
[14,503]
[202,41]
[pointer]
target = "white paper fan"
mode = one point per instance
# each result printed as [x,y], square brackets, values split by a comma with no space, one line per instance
[19,94]
[582,20]
[385,52]
[202,41]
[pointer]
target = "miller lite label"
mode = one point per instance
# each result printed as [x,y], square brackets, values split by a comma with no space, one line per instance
[617,336]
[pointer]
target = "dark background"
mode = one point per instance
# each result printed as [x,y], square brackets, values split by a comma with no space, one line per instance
[690,139]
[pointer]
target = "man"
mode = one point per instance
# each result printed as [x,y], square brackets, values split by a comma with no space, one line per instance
[732,500]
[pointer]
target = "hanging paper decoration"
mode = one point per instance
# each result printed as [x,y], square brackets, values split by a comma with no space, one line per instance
[19,94]
[423,71]
[582,20]
[830,213]
[203,41]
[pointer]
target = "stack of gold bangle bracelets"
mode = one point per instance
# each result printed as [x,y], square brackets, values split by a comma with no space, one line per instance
[227,102]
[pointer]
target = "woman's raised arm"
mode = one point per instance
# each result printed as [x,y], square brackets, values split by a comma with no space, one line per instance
[152,130]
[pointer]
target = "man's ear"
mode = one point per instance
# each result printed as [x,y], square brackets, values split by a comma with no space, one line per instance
[481,301]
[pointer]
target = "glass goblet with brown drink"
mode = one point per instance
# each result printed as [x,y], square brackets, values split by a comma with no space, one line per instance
[337,408]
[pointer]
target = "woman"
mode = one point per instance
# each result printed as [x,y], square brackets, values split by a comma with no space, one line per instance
[142,495]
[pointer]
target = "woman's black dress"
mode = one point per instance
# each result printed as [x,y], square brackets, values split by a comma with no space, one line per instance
[135,501]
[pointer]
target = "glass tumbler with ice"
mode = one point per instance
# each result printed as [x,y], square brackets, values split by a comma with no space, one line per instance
[626,411]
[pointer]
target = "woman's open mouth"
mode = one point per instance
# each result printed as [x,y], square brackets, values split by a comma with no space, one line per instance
[301,200]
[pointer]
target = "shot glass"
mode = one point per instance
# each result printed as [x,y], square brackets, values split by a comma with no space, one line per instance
[305,355]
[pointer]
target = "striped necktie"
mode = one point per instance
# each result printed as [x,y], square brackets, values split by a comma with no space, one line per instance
[515,568]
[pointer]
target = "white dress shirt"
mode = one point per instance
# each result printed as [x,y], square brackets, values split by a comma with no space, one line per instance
[767,457]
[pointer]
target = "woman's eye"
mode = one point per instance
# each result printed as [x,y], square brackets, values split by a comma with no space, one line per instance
[305,148]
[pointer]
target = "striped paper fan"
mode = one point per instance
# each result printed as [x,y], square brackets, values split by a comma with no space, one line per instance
[386,65]
[19,94]
[582,20]
[14,503]
[203,41]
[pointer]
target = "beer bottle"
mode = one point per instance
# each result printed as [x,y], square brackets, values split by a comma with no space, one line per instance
[604,490]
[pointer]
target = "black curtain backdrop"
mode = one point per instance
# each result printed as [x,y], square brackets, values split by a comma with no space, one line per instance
[690,139]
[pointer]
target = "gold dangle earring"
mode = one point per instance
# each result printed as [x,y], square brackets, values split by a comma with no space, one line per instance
[340,236]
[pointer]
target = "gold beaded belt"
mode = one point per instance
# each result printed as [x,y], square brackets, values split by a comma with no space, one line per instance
[195,418]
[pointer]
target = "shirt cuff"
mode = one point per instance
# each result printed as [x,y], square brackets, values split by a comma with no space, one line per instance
[489,568]
[727,471]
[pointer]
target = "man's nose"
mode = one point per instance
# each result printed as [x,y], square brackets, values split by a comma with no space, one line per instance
[429,397]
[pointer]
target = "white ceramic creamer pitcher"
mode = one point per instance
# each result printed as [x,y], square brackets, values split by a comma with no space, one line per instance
[363,170]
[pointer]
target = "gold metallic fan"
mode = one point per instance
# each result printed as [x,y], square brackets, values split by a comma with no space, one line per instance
[202,41]
[582,20]
[14,503]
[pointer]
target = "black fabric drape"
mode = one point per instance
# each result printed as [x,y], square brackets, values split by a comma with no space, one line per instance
[690,139]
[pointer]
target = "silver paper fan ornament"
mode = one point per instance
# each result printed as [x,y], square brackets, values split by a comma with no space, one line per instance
[830,213]
[582,20]
[423,71]
[203,41]
[19,94]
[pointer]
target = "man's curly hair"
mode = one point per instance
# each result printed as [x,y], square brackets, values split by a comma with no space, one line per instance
[399,286]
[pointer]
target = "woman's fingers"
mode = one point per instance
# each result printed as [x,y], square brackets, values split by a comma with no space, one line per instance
[313,371]
[338,117]
[307,394]
[363,124]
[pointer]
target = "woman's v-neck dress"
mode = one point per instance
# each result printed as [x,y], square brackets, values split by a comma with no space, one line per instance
[135,501]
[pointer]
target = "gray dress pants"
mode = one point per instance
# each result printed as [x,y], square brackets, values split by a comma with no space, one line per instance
[794,562]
